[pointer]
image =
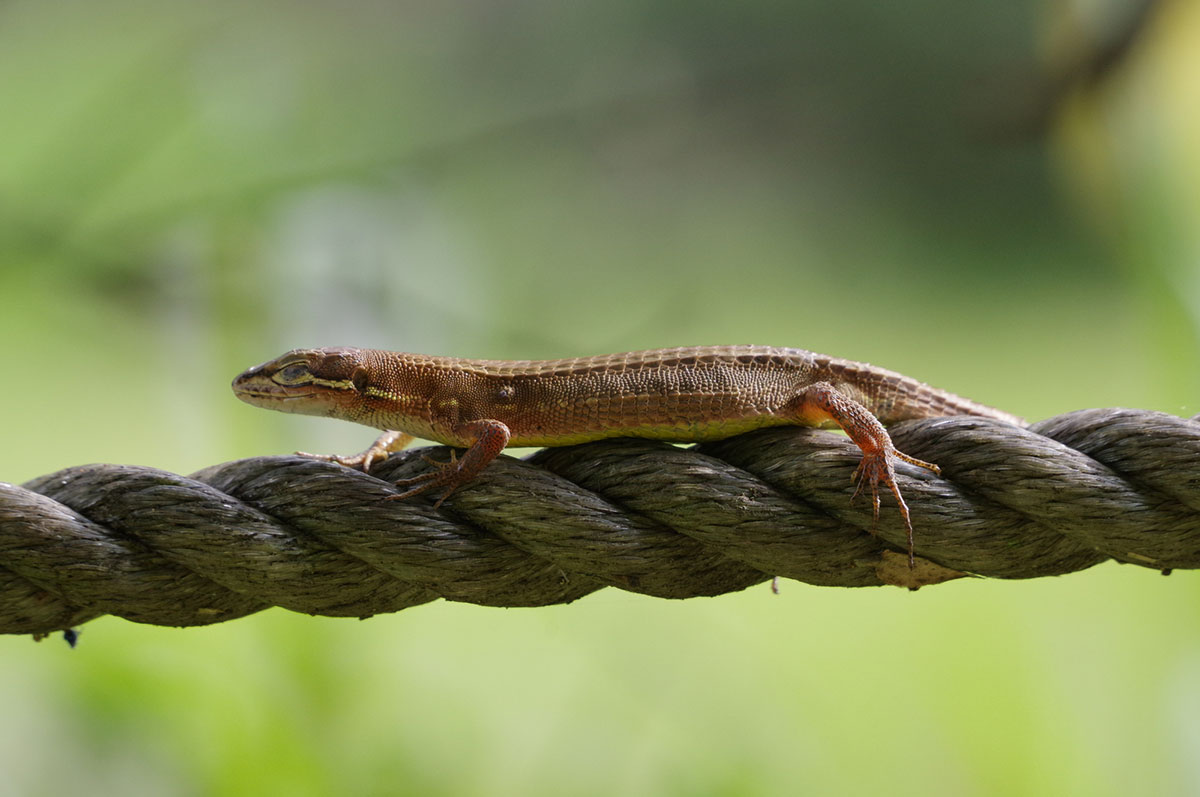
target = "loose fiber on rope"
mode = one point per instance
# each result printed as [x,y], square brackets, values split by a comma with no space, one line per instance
[647,517]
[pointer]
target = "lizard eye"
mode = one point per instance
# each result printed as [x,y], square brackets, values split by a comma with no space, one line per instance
[293,374]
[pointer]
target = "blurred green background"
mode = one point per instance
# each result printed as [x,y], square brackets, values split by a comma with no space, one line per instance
[1001,199]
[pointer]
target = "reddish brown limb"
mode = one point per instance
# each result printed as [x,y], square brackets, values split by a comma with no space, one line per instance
[821,401]
[490,439]
[387,443]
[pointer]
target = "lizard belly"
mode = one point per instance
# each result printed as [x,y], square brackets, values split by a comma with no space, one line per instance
[677,432]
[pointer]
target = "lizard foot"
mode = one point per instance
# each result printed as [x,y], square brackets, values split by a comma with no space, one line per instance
[444,474]
[875,469]
[380,450]
[489,436]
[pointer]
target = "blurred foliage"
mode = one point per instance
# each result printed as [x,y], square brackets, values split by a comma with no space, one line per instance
[1000,199]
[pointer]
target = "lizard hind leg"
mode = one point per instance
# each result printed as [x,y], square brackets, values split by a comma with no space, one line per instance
[820,402]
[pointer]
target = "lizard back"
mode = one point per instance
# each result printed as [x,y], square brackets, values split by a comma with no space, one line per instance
[680,394]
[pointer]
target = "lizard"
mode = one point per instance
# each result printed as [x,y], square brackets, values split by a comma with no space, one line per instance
[689,394]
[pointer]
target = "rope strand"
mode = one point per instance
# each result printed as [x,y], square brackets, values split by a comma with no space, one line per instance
[647,517]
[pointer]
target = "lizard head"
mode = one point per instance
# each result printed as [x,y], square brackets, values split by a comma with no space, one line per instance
[306,381]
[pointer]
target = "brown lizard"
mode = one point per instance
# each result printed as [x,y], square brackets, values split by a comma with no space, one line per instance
[683,395]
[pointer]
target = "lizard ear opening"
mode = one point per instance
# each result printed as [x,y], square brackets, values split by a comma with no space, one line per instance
[360,379]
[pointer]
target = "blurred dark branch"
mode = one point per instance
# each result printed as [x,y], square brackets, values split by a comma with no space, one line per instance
[1039,99]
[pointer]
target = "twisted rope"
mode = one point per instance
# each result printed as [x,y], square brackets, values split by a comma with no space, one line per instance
[315,537]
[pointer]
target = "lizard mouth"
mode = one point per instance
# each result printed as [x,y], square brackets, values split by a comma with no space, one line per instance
[273,395]
[249,388]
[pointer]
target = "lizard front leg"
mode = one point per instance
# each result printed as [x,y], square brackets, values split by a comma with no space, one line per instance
[490,438]
[821,401]
[387,443]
